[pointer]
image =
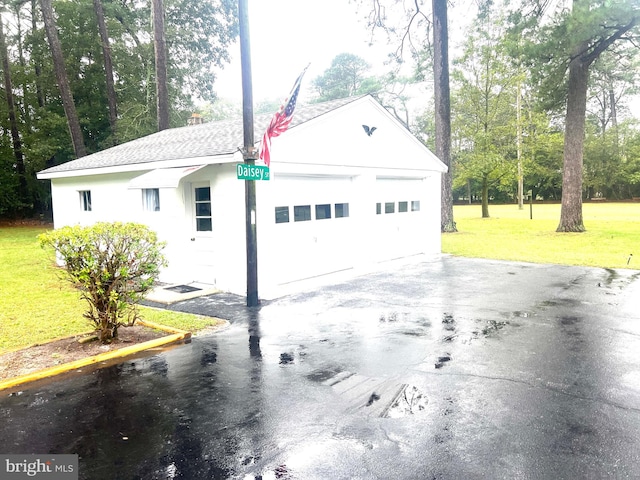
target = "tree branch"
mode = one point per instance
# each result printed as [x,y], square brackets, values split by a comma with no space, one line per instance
[605,43]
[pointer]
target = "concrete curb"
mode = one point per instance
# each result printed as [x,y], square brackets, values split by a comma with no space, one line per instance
[176,335]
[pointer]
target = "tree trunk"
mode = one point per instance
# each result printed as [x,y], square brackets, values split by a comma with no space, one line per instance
[61,78]
[36,55]
[162,93]
[24,110]
[443,109]
[614,121]
[23,189]
[519,146]
[571,211]
[485,196]
[108,69]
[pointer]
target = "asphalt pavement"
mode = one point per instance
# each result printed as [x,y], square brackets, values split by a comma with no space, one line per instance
[441,368]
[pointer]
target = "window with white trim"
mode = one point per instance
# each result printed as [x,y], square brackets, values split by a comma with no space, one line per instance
[85,200]
[282,214]
[323,211]
[301,213]
[389,207]
[151,199]
[202,199]
[342,210]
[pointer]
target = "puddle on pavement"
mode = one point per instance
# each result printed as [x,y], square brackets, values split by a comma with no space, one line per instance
[569,320]
[324,374]
[404,324]
[286,358]
[454,329]
[208,357]
[409,401]
[442,360]
[491,327]
[560,302]
[449,326]
[448,322]
[296,353]
[281,472]
[374,397]
[388,317]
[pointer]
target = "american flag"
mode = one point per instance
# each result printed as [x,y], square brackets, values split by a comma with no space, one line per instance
[280,121]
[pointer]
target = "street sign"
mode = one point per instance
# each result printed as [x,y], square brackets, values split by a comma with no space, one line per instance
[246,171]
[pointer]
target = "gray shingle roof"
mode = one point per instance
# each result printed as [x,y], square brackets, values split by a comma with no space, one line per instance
[208,139]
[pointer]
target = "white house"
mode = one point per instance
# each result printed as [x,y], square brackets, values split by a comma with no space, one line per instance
[339,197]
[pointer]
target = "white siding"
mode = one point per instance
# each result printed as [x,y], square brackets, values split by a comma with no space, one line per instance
[329,160]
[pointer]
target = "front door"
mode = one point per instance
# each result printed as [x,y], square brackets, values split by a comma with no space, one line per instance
[201,256]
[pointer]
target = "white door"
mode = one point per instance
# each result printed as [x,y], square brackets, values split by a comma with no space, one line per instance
[201,241]
[313,231]
[399,226]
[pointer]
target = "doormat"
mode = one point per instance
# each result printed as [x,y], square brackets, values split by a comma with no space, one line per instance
[183,289]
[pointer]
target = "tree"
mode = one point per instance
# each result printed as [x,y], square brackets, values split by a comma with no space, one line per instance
[23,191]
[108,68]
[443,110]
[61,77]
[53,117]
[159,46]
[113,265]
[346,77]
[565,50]
[485,111]
[416,18]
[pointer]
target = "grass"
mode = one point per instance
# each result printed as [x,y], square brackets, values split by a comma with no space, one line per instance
[613,234]
[37,304]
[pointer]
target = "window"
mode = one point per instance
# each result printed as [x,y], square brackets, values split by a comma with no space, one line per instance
[301,213]
[415,205]
[389,207]
[323,211]
[282,214]
[85,200]
[403,206]
[378,208]
[151,199]
[203,209]
[342,210]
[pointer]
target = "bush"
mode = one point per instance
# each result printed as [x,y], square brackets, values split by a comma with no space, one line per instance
[113,264]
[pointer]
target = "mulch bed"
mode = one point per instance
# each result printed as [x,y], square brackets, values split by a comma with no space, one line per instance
[38,357]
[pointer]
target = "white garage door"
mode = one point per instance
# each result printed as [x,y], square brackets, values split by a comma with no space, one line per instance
[399,227]
[313,234]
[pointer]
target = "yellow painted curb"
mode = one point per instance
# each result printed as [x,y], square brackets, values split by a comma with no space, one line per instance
[164,328]
[176,335]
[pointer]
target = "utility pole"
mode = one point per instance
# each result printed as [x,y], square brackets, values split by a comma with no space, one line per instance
[249,154]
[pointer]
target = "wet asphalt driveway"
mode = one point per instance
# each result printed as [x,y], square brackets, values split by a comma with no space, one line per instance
[446,369]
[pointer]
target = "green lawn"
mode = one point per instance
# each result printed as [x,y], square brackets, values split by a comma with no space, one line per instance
[37,304]
[613,233]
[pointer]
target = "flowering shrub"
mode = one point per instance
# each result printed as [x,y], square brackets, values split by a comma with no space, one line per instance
[113,265]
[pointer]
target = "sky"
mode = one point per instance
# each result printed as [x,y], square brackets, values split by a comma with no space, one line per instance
[287,35]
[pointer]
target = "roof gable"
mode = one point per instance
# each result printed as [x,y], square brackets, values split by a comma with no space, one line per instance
[205,140]
[214,139]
